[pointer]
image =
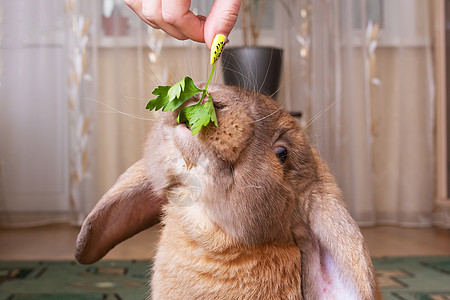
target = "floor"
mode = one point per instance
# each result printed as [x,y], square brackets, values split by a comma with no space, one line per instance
[56,242]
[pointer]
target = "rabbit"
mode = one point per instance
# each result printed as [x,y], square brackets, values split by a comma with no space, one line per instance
[249,210]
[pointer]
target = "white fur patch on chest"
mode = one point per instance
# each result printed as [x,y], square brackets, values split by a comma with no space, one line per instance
[191,182]
[187,195]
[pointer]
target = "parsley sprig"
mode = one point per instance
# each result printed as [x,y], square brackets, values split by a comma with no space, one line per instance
[170,98]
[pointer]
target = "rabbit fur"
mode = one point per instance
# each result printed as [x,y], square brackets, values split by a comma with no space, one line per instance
[249,210]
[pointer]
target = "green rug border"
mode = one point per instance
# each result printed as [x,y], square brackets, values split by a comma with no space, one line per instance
[404,277]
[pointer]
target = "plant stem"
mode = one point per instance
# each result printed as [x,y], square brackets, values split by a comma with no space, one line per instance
[205,90]
[210,76]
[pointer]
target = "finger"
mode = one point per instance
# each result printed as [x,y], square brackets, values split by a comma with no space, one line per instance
[149,11]
[178,15]
[136,6]
[133,4]
[221,19]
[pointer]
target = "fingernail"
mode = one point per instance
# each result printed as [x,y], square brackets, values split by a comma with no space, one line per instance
[217,47]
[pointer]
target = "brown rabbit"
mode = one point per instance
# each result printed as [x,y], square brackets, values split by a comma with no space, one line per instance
[250,211]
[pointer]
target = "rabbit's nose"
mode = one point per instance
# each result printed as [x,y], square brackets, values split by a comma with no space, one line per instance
[218,105]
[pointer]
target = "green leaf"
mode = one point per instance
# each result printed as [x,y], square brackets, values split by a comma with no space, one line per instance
[189,91]
[209,107]
[197,116]
[160,101]
[176,89]
[171,98]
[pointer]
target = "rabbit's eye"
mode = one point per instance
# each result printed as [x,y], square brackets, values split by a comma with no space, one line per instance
[281,153]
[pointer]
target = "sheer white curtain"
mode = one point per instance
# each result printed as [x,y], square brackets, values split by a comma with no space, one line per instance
[47,126]
[370,95]
[76,75]
[80,34]
[75,78]
[133,59]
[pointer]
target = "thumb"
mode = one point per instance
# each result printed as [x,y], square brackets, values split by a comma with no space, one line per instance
[221,19]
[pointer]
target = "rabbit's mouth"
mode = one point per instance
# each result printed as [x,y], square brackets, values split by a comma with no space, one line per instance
[185,124]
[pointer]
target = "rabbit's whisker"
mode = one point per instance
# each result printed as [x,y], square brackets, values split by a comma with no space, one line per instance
[266,74]
[320,114]
[115,110]
[272,113]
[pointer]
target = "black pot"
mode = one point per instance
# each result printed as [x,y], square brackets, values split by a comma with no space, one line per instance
[254,68]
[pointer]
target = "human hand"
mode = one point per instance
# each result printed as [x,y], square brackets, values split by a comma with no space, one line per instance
[176,19]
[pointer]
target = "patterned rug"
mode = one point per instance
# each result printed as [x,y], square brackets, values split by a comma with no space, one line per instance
[419,278]
[423,278]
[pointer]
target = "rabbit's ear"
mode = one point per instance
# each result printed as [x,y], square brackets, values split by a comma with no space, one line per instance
[335,259]
[129,207]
